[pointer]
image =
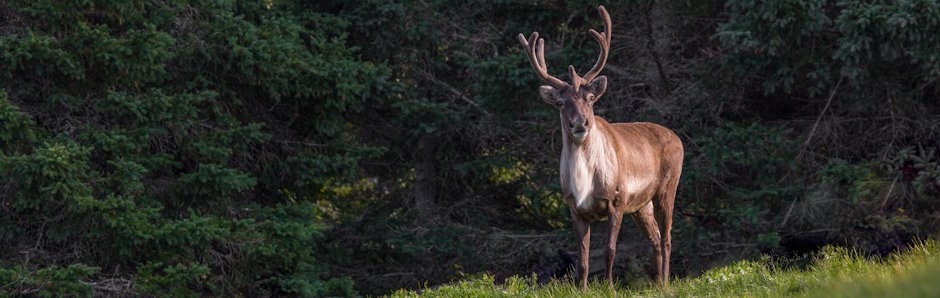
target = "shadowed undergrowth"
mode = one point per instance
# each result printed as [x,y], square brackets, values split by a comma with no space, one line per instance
[834,272]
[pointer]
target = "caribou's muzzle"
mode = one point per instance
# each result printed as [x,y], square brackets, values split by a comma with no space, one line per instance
[578,132]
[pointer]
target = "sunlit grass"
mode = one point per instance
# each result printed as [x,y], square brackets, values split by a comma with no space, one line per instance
[836,272]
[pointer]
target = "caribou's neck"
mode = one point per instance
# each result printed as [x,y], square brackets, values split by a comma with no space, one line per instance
[587,165]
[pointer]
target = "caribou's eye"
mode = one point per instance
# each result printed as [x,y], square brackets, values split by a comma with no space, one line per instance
[590,97]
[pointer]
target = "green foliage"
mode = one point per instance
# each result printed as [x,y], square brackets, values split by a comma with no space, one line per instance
[854,183]
[53,177]
[137,136]
[897,32]
[212,182]
[17,127]
[779,39]
[170,281]
[922,166]
[751,162]
[755,155]
[52,281]
[23,54]
[806,46]
[285,233]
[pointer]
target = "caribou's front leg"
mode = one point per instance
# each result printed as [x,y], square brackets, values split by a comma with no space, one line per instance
[582,230]
[614,217]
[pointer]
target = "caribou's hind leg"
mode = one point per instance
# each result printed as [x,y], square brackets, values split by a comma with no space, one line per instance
[663,202]
[664,219]
[646,221]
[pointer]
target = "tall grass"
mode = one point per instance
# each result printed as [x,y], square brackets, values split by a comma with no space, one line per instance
[834,272]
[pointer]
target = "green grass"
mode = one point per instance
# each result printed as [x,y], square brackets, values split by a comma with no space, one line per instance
[836,272]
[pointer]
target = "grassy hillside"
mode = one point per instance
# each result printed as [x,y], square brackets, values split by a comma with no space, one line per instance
[834,272]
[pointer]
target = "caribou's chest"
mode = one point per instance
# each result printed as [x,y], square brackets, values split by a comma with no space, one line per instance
[585,183]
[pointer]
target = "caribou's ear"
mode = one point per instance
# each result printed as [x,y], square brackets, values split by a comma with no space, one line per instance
[598,86]
[550,95]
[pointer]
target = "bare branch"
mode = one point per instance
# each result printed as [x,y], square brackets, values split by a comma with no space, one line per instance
[454,91]
[821,113]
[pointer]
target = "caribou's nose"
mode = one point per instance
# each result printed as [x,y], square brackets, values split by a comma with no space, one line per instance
[578,125]
[578,128]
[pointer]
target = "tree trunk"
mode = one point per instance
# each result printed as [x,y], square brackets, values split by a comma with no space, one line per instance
[658,33]
[426,175]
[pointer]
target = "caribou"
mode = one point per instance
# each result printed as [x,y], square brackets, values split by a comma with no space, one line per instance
[610,169]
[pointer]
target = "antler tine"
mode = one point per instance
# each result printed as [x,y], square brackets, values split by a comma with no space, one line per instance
[540,47]
[604,40]
[576,80]
[535,49]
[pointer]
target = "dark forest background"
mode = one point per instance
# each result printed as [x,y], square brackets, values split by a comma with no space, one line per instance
[314,148]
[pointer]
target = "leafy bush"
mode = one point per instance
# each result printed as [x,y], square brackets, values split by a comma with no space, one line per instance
[52,281]
[131,139]
[750,163]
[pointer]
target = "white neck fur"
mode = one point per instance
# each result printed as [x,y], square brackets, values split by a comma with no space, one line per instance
[582,164]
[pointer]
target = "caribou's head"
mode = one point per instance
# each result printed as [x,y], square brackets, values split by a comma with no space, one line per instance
[575,99]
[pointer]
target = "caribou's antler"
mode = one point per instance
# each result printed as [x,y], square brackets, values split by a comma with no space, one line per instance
[535,49]
[604,40]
